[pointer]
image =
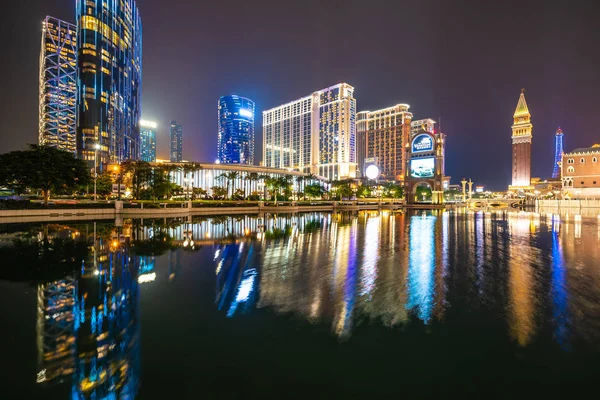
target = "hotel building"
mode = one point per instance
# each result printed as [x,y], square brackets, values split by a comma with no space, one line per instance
[236,130]
[315,134]
[148,140]
[58,85]
[581,173]
[109,63]
[380,137]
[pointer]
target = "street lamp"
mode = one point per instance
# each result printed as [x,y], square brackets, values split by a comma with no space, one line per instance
[96,148]
[117,170]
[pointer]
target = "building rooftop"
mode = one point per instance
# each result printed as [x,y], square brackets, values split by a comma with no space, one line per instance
[593,149]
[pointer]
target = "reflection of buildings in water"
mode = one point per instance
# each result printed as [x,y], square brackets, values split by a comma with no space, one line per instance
[521,261]
[344,276]
[383,271]
[236,276]
[581,255]
[88,326]
[55,330]
[559,293]
[421,266]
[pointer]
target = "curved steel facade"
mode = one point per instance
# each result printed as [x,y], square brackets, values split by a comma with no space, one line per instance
[236,130]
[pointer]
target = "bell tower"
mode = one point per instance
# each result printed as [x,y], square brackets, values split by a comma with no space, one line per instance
[521,145]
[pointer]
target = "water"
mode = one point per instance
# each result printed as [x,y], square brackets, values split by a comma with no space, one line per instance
[310,305]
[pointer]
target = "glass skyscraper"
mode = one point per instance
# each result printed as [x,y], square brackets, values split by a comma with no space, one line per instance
[236,130]
[109,83]
[148,140]
[315,134]
[176,154]
[58,85]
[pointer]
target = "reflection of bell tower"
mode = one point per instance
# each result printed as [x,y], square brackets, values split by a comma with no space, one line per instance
[521,144]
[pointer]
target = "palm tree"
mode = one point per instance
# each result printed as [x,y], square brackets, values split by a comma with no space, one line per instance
[252,177]
[300,182]
[230,177]
[187,168]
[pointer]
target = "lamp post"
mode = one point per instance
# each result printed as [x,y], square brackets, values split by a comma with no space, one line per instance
[117,169]
[96,148]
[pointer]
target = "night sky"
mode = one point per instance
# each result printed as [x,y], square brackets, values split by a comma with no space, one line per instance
[462,60]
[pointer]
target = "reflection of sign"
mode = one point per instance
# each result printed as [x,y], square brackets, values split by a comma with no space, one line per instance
[422,142]
[422,167]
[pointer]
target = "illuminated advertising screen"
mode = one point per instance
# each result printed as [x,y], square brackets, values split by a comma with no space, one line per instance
[422,167]
[421,143]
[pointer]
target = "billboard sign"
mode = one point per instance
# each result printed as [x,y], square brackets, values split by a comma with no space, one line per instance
[422,142]
[422,167]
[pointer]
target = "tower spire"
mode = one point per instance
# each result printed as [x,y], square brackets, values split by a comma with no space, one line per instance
[522,108]
[558,151]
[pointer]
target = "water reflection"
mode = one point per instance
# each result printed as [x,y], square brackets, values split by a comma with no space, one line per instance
[535,277]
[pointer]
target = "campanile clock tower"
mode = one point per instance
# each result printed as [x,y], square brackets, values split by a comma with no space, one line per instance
[521,145]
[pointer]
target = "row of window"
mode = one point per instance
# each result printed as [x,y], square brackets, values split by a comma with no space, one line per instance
[581,161]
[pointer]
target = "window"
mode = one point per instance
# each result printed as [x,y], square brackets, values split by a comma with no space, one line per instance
[571,169]
[582,161]
[595,159]
[582,182]
[570,161]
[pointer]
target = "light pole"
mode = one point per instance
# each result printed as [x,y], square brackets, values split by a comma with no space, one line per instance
[96,148]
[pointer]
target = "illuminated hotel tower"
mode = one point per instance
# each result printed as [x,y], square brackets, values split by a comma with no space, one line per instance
[315,134]
[236,130]
[558,152]
[58,85]
[521,144]
[381,138]
[109,62]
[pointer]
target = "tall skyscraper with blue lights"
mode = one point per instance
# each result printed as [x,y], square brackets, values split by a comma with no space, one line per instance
[558,152]
[58,85]
[109,52]
[148,140]
[236,130]
[176,154]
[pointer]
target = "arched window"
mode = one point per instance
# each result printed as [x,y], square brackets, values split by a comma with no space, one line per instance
[595,159]
[570,161]
[571,169]
[582,161]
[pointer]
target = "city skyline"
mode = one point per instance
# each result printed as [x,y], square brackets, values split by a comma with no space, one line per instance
[473,92]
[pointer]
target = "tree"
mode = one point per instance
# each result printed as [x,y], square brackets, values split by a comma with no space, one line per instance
[42,168]
[393,190]
[314,190]
[230,177]
[161,184]
[343,188]
[363,191]
[423,193]
[218,192]
[104,184]
[238,194]
[200,193]
[139,174]
[188,168]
